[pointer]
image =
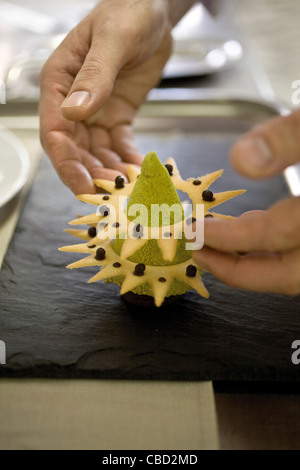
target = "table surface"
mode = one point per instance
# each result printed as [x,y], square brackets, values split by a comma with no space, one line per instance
[192,416]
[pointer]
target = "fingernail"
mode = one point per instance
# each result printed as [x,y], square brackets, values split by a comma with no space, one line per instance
[255,152]
[78,98]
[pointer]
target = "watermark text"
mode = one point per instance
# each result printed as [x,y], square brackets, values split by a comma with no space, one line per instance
[296,354]
[159,221]
[296,94]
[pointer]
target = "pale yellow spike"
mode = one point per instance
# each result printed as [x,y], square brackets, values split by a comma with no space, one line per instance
[83,234]
[95,278]
[87,220]
[197,284]
[133,172]
[130,282]
[106,272]
[176,178]
[172,162]
[160,290]
[219,198]
[85,262]
[168,248]
[107,185]
[96,199]
[195,191]
[79,248]
[208,179]
[131,245]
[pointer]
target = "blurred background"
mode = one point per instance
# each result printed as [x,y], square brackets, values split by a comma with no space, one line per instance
[31,29]
[272,33]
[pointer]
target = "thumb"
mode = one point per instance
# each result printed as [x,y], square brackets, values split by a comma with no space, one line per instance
[93,83]
[269,148]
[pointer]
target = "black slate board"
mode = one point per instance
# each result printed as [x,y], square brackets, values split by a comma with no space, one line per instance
[54,324]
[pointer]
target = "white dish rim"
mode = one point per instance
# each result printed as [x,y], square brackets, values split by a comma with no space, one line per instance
[20,181]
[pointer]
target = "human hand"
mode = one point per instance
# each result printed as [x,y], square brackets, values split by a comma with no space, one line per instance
[268,242]
[92,85]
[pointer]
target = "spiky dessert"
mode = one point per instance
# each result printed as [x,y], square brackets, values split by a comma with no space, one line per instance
[146,255]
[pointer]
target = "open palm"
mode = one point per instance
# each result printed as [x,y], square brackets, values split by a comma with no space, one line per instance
[90,93]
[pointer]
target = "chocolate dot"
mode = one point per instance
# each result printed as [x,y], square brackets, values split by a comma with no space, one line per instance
[116,265]
[167,234]
[116,224]
[105,198]
[208,195]
[209,216]
[162,279]
[92,232]
[139,269]
[169,168]
[100,254]
[191,270]
[196,182]
[92,246]
[104,210]
[138,231]
[190,220]
[119,182]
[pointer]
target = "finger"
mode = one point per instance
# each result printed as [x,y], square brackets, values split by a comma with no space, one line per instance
[275,230]
[106,173]
[252,213]
[76,177]
[111,160]
[269,149]
[94,81]
[274,273]
[67,160]
[57,76]
[94,166]
[123,144]
[56,133]
[119,139]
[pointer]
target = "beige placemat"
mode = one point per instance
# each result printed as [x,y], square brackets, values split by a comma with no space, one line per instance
[106,415]
[98,414]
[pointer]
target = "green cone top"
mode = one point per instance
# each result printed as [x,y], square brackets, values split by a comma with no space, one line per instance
[154,186]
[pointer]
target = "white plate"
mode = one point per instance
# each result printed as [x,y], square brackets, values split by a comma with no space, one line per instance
[14,165]
[202,56]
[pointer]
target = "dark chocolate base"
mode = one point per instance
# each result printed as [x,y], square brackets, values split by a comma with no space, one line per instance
[147,300]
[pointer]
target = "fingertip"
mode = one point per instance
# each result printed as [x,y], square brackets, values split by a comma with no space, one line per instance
[77,99]
[84,103]
[76,177]
[77,106]
[253,213]
[252,156]
[106,174]
[124,145]
[133,158]
[269,148]
[201,258]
